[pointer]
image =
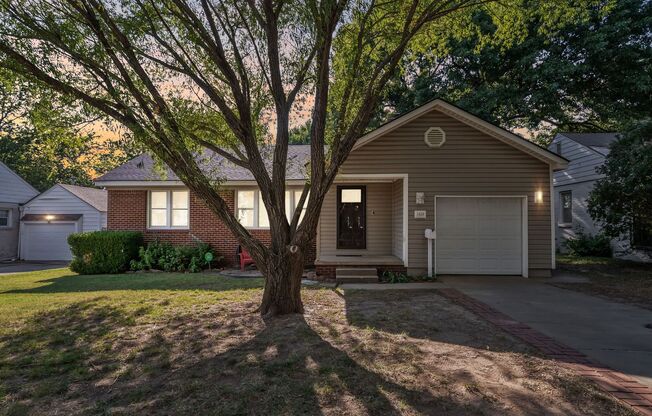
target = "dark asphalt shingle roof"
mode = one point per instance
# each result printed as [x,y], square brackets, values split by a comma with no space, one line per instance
[143,168]
[598,140]
[97,198]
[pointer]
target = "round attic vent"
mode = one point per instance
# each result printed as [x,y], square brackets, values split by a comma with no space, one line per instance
[435,137]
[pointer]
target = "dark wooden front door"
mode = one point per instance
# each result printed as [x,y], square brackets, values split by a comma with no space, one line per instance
[351,217]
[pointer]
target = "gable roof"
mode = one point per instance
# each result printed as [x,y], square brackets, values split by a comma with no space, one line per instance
[97,198]
[557,162]
[28,190]
[144,169]
[216,167]
[599,142]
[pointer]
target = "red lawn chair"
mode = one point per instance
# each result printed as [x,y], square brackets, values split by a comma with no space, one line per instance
[245,259]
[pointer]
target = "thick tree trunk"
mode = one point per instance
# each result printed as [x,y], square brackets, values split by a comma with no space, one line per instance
[282,293]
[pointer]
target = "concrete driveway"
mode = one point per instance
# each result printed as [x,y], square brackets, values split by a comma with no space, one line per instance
[26,266]
[609,332]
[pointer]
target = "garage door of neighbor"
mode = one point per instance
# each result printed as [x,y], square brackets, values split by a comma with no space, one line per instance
[46,241]
[479,235]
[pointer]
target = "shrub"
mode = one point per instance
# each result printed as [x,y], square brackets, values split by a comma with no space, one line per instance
[393,277]
[100,252]
[165,256]
[584,245]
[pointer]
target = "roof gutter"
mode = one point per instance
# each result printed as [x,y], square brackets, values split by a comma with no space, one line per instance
[164,184]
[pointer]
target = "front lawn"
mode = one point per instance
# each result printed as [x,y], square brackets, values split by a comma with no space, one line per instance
[192,344]
[620,280]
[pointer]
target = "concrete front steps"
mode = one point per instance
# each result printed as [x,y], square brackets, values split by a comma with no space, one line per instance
[356,275]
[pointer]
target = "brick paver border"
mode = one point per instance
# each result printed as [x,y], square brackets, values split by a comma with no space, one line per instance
[621,386]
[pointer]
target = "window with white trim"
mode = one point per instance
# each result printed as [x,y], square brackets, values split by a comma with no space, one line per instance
[169,209]
[566,198]
[251,211]
[5,218]
[295,196]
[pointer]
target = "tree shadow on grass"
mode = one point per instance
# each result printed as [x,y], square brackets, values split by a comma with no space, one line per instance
[96,358]
[89,358]
[142,281]
[471,353]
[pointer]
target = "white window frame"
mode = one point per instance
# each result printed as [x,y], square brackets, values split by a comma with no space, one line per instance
[168,208]
[294,201]
[562,223]
[257,205]
[9,218]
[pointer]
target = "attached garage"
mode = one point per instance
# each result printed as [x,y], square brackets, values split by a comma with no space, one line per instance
[51,217]
[47,240]
[481,235]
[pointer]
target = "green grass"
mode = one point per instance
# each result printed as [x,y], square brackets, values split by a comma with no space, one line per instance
[170,343]
[22,295]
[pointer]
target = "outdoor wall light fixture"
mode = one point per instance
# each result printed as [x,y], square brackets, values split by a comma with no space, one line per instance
[538,197]
[49,217]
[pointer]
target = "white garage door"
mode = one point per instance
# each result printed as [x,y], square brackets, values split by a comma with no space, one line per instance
[478,235]
[46,241]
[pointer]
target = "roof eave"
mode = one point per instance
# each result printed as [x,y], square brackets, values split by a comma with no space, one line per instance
[163,184]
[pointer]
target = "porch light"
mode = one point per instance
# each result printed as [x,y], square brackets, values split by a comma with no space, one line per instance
[49,217]
[538,197]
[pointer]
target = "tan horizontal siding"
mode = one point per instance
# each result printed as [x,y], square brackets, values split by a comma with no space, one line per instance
[397,218]
[469,163]
[379,222]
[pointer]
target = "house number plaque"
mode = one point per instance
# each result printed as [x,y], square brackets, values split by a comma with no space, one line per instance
[420,214]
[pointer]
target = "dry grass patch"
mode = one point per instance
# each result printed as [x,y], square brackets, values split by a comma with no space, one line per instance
[353,353]
[620,280]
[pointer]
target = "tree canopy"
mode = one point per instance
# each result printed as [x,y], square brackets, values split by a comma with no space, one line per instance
[46,140]
[590,75]
[622,200]
[187,75]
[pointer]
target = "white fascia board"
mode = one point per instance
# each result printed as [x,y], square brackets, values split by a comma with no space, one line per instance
[169,184]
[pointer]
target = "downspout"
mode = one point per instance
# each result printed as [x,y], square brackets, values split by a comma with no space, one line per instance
[20,216]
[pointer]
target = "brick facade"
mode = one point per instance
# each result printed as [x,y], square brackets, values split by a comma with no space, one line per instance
[327,271]
[127,210]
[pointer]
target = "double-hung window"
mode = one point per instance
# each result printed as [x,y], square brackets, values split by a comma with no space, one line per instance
[251,211]
[5,218]
[169,209]
[292,198]
[566,198]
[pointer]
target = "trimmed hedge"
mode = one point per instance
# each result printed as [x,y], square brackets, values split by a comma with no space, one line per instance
[101,252]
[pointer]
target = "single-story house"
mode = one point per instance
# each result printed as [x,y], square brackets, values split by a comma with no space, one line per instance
[483,190]
[14,191]
[51,217]
[586,152]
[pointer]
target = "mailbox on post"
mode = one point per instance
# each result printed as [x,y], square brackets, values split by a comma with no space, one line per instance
[430,234]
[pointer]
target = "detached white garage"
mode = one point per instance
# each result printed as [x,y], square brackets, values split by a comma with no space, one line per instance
[481,235]
[51,217]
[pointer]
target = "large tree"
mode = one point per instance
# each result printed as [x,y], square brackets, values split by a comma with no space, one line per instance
[622,200]
[184,75]
[591,75]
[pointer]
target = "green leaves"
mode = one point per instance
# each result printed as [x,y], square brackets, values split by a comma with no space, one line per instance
[587,70]
[623,197]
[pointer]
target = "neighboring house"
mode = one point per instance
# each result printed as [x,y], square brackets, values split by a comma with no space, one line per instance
[14,192]
[58,212]
[484,190]
[586,152]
